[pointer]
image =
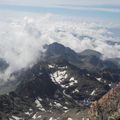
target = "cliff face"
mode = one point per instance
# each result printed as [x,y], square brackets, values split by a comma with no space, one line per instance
[108,107]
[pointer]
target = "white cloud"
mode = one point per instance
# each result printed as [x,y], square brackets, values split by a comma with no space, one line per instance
[101,9]
[22,38]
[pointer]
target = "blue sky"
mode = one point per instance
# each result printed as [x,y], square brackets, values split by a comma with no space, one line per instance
[90,9]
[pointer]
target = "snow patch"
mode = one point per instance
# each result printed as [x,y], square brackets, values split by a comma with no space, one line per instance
[62,67]
[72,81]
[16,118]
[51,66]
[57,104]
[39,116]
[28,113]
[34,116]
[93,92]
[99,79]
[88,74]
[51,118]
[65,108]
[69,119]
[59,76]
[39,105]
[76,91]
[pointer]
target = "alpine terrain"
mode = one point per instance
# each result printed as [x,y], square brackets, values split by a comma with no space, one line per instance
[63,85]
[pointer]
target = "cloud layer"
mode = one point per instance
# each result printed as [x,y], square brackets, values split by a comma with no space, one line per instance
[99,9]
[22,39]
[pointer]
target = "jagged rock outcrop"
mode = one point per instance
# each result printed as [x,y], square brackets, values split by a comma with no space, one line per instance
[108,107]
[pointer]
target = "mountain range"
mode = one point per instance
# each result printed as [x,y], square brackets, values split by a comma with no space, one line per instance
[63,85]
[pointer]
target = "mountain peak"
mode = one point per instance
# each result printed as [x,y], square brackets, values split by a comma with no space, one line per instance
[90,52]
[57,48]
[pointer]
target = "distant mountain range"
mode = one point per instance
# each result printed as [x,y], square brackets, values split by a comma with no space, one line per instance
[61,86]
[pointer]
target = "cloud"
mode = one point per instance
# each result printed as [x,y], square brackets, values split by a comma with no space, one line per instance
[22,38]
[99,9]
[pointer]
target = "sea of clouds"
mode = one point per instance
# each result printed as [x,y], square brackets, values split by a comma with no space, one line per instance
[22,38]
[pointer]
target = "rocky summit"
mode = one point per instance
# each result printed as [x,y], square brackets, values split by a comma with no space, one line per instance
[63,85]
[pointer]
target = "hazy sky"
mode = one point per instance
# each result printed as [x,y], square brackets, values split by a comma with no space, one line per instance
[95,9]
[58,2]
[91,9]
